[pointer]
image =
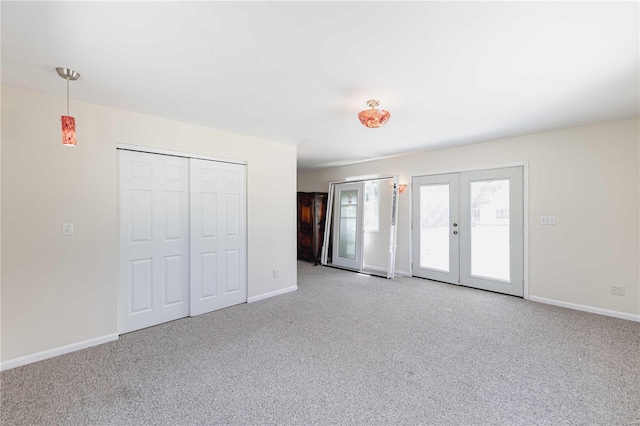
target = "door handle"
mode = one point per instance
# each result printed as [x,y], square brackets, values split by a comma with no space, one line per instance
[455,232]
[455,224]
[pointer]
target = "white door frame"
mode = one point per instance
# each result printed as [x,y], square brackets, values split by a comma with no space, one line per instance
[394,219]
[151,150]
[525,213]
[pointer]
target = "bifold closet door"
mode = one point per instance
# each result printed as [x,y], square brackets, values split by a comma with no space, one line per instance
[218,252]
[154,239]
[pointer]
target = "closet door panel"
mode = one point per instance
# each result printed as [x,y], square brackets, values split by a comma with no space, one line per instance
[154,239]
[218,235]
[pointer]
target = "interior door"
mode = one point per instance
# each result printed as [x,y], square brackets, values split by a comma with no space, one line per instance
[218,235]
[491,238]
[468,229]
[435,227]
[348,225]
[154,239]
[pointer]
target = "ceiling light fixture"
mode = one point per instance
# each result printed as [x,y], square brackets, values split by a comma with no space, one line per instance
[373,118]
[68,122]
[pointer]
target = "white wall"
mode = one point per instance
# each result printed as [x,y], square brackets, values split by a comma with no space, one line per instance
[62,290]
[588,177]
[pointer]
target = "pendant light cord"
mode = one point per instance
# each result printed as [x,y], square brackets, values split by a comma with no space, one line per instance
[67,95]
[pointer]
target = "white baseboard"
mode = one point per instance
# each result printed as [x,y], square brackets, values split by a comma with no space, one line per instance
[271,294]
[591,309]
[375,268]
[396,272]
[50,353]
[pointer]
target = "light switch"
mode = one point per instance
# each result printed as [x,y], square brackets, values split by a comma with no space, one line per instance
[67,229]
[547,220]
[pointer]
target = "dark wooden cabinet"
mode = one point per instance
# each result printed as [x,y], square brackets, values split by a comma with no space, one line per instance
[312,210]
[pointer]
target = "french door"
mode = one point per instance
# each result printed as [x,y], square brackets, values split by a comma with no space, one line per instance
[468,229]
[348,220]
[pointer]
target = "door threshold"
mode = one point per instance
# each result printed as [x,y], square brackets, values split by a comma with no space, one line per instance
[468,286]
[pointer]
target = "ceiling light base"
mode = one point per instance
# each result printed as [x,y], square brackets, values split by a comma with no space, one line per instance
[68,74]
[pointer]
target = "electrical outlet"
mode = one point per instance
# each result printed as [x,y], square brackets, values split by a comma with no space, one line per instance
[67,229]
[617,290]
[547,220]
[276,273]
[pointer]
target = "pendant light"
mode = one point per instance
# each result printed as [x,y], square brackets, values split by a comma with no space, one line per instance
[68,122]
[373,118]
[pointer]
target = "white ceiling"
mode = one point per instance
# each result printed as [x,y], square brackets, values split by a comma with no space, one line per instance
[449,73]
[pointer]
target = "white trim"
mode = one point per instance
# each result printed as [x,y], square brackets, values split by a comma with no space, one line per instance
[471,169]
[271,294]
[378,269]
[525,224]
[525,213]
[150,150]
[362,180]
[374,268]
[362,177]
[410,227]
[591,309]
[50,353]
[324,251]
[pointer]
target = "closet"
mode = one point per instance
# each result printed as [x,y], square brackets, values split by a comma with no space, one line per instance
[183,249]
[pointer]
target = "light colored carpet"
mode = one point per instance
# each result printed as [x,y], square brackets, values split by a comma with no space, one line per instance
[347,349]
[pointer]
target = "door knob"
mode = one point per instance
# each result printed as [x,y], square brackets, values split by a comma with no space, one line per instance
[455,224]
[455,232]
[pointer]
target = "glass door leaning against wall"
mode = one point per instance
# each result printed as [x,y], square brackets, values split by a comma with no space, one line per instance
[348,225]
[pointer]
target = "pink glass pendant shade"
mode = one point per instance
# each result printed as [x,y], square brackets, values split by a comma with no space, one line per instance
[68,122]
[374,118]
[68,130]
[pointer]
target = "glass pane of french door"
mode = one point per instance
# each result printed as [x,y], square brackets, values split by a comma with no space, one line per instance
[434,226]
[348,228]
[490,257]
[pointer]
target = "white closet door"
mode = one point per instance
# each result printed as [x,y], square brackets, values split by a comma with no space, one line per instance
[154,239]
[218,235]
